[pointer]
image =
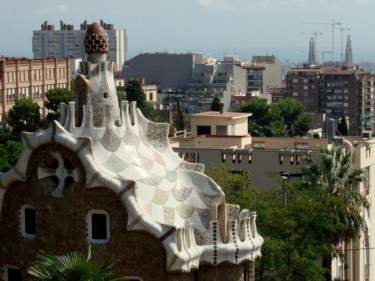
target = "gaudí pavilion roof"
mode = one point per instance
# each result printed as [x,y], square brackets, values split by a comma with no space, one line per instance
[127,153]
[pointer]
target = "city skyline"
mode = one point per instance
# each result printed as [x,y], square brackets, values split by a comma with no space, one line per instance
[212,27]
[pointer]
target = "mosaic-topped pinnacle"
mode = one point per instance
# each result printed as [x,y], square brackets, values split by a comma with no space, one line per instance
[96,39]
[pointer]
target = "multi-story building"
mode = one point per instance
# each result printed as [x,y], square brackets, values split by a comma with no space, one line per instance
[222,138]
[336,91]
[31,78]
[68,42]
[163,69]
[263,72]
[220,79]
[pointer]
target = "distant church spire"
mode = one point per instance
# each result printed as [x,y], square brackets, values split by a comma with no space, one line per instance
[312,54]
[348,52]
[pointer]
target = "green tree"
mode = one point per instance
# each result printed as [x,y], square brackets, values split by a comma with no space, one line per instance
[215,105]
[121,96]
[53,99]
[24,116]
[235,184]
[178,117]
[134,92]
[74,266]
[334,180]
[283,118]
[292,112]
[265,120]
[343,127]
[291,237]
[10,151]
[291,247]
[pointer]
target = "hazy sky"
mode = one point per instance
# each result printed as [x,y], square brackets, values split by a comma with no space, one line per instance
[242,27]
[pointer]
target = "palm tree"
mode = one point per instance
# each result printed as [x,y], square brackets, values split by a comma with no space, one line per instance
[74,266]
[334,180]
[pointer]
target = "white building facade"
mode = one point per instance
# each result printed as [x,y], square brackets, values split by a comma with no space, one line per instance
[68,42]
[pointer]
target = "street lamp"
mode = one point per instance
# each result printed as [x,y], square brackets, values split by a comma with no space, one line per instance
[286,176]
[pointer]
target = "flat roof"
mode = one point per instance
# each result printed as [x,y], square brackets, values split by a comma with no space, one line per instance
[217,114]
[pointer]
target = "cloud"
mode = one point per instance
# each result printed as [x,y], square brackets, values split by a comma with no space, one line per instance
[216,4]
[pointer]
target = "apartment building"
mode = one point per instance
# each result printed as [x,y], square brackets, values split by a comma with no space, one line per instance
[67,42]
[221,79]
[337,92]
[218,138]
[263,73]
[163,69]
[31,78]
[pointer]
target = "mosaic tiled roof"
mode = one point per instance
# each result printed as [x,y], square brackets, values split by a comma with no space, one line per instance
[163,194]
[96,39]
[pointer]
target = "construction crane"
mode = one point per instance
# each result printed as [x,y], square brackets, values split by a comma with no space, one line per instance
[323,53]
[342,42]
[315,38]
[332,24]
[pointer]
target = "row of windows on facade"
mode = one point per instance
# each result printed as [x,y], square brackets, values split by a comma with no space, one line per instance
[35,75]
[321,84]
[36,92]
[341,96]
[98,225]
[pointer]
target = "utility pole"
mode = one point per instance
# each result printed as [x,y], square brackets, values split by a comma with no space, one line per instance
[342,42]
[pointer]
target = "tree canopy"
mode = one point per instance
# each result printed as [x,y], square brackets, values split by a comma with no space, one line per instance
[215,105]
[283,118]
[53,99]
[24,116]
[343,127]
[134,92]
[324,208]
[10,151]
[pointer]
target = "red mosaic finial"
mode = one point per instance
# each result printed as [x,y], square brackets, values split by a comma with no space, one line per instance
[96,39]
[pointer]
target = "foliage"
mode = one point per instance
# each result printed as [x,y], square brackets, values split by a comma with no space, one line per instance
[334,178]
[178,117]
[291,240]
[343,127]
[236,185]
[121,96]
[10,151]
[292,112]
[215,105]
[74,266]
[323,209]
[134,92]
[53,99]
[283,118]
[24,116]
